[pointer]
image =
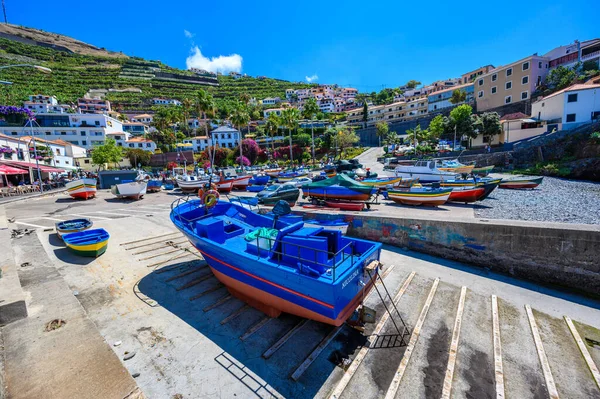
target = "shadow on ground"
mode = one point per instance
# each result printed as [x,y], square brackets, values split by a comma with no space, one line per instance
[64,254]
[243,358]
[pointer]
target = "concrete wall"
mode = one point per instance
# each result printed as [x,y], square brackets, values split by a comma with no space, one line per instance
[547,253]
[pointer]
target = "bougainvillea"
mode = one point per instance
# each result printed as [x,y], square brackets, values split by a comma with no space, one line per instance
[243,161]
[9,110]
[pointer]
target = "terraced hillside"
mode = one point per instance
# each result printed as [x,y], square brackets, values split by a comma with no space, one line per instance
[131,81]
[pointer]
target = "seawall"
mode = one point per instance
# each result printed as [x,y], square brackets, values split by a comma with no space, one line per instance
[547,253]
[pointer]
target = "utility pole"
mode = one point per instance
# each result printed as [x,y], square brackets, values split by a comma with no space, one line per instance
[4,11]
[454,143]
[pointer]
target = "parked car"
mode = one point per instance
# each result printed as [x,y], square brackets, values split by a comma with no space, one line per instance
[287,192]
[300,181]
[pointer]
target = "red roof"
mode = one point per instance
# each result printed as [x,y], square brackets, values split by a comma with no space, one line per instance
[9,170]
[516,115]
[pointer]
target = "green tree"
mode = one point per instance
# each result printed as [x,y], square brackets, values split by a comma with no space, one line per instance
[345,139]
[436,128]
[458,96]
[560,77]
[138,157]
[272,125]
[290,117]
[107,153]
[462,122]
[382,130]
[411,84]
[310,112]
[239,118]
[417,135]
[205,106]
[489,126]
[365,117]
[186,111]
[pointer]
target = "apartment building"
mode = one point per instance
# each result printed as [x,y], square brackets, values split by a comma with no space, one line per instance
[511,83]
[165,101]
[141,143]
[143,118]
[136,128]
[441,85]
[198,143]
[50,152]
[573,106]
[470,76]
[271,101]
[440,100]
[225,136]
[395,112]
[93,106]
[42,103]
[85,130]
[570,54]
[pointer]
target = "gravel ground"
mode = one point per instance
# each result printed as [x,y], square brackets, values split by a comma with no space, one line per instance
[555,200]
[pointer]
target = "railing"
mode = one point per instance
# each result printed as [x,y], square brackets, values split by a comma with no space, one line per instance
[590,55]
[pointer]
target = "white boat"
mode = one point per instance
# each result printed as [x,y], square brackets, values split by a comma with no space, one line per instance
[425,171]
[241,182]
[190,184]
[135,190]
[82,188]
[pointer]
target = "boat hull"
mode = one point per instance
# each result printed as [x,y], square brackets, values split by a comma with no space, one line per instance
[82,188]
[191,186]
[90,250]
[521,183]
[154,186]
[483,171]
[419,198]
[426,177]
[391,182]
[346,206]
[338,193]
[72,226]
[466,194]
[224,186]
[241,183]
[135,190]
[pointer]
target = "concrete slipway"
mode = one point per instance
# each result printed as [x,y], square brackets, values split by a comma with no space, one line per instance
[153,293]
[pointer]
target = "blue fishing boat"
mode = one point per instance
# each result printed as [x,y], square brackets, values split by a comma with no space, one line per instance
[259,180]
[339,187]
[72,226]
[153,186]
[255,189]
[287,176]
[87,243]
[277,266]
[169,185]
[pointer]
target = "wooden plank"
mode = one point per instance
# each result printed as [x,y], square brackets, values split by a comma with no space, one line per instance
[150,238]
[175,249]
[173,258]
[584,352]
[315,353]
[206,292]
[161,241]
[395,384]
[550,385]
[218,303]
[235,314]
[269,352]
[447,389]
[186,273]
[255,327]
[385,273]
[143,251]
[498,369]
[194,282]
[339,389]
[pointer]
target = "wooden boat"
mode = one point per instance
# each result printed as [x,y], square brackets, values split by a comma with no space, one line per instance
[468,182]
[276,266]
[488,188]
[82,188]
[339,187]
[135,190]
[425,171]
[169,185]
[273,173]
[91,243]
[72,226]
[522,182]
[154,186]
[382,182]
[240,183]
[420,196]
[455,166]
[224,186]
[346,206]
[483,170]
[466,194]
[190,184]
[259,180]
[255,189]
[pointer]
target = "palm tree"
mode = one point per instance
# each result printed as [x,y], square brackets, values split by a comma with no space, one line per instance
[272,126]
[240,117]
[245,99]
[205,104]
[310,111]
[290,117]
[186,109]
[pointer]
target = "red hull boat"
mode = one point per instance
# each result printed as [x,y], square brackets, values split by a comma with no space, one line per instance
[466,194]
[346,206]
[224,186]
[241,182]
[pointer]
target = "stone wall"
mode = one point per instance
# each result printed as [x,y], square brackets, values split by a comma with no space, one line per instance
[547,253]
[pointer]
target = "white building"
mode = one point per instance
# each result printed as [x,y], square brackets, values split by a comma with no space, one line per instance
[326,105]
[271,100]
[198,143]
[136,128]
[143,118]
[85,130]
[48,104]
[235,75]
[225,136]
[573,106]
[93,106]
[165,101]
[52,153]
[141,143]
[13,149]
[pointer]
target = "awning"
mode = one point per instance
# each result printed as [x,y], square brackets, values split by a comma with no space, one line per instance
[9,170]
[27,165]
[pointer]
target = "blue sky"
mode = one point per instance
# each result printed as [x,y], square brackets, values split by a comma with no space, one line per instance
[367,45]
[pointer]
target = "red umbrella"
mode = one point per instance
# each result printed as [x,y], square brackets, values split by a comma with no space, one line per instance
[9,170]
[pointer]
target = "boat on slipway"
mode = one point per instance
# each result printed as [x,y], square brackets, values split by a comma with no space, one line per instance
[72,226]
[92,243]
[82,188]
[425,171]
[420,196]
[154,186]
[340,187]
[190,184]
[135,190]
[521,182]
[466,194]
[277,266]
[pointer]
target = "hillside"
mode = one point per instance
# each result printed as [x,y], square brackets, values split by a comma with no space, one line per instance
[131,82]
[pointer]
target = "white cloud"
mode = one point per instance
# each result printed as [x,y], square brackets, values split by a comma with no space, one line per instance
[222,63]
[188,34]
[312,78]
